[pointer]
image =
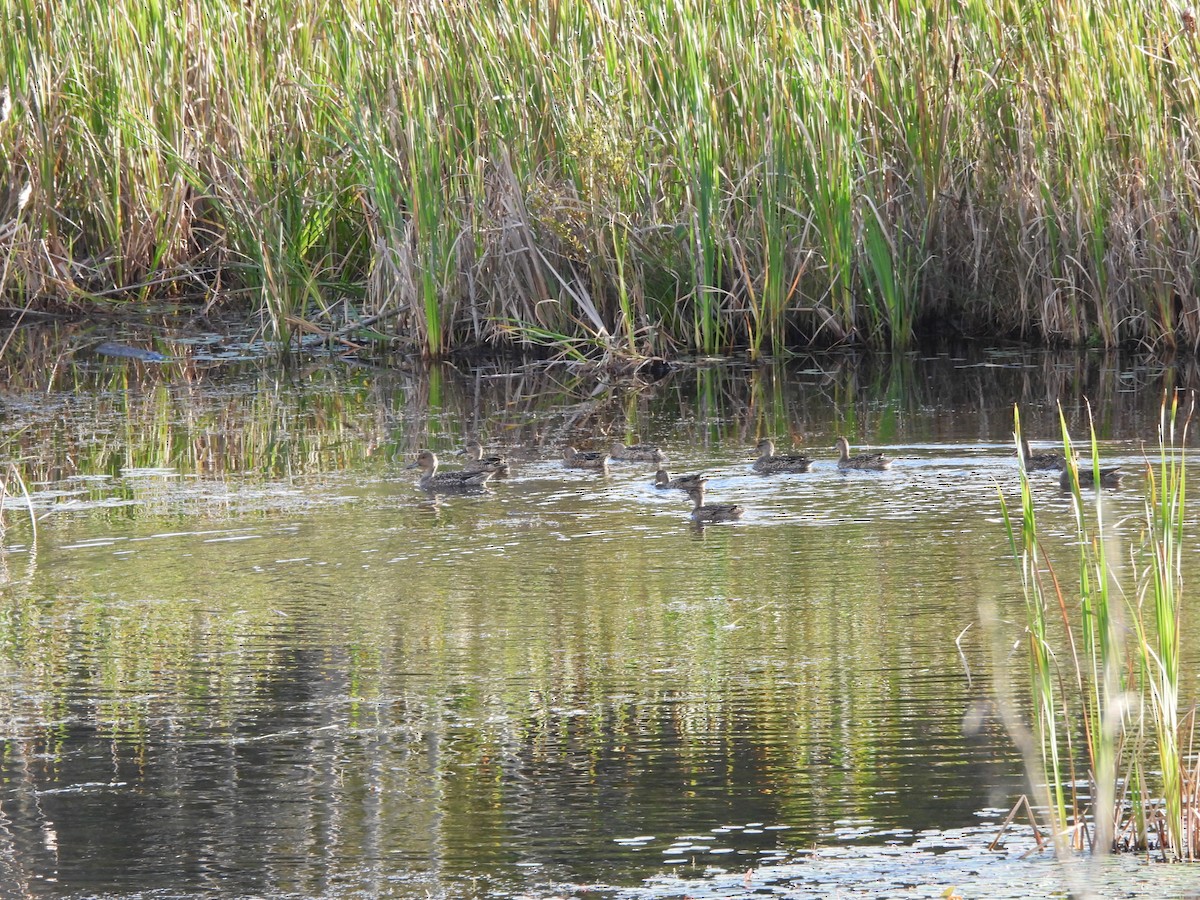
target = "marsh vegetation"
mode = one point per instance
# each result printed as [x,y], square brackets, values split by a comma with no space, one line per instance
[1111,750]
[610,177]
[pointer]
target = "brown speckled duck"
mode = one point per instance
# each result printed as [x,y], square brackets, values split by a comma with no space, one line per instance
[636,453]
[477,462]
[585,459]
[434,481]
[705,513]
[870,462]
[1110,476]
[663,481]
[768,463]
[1041,461]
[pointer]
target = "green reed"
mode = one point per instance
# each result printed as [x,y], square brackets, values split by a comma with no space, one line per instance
[653,176]
[1103,654]
[1160,658]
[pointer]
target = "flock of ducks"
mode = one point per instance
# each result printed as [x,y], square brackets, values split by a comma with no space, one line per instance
[479,469]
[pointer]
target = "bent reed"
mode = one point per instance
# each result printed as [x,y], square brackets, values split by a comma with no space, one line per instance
[622,176]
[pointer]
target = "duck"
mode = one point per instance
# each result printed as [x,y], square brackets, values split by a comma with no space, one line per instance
[433,480]
[867,461]
[663,481]
[1043,461]
[705,513]
[1110,476]
[768,463]
[477,462]
[637,453]
[585,459]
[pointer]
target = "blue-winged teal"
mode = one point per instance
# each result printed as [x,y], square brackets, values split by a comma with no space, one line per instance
[477,462]
[703,513]
[636,453]
[585,459]
[1043,461]
[1110,476]
[433,480]
[768,463]
[867,461]
[664,481]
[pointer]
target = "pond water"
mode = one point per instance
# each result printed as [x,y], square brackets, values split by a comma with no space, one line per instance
[241,654]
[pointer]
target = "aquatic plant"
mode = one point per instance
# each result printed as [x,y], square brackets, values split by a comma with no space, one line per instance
[690,176]
[1103,650]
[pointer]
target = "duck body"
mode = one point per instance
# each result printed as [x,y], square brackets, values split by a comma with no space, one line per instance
[707,513]
[768,463]
[663,481]
[868,462]
[585,459]
[477,462]
[1110,477]
[1041,462]
[434,481]
[637,453]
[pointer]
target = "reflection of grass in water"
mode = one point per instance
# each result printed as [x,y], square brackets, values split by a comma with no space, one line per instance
[580,645]
[265,430]
[223,424]
[12,485]
[1104,668]
[145,660]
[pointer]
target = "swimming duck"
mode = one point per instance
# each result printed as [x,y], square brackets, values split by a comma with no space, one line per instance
[433,480]
[703,513]
[477,462]
[664,481]
[637,453]
[585,459]
[1110,477]
[869,461]
[1035,462]
[768,463]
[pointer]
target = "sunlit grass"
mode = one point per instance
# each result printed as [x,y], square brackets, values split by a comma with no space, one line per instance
[694,176]
[1111,749]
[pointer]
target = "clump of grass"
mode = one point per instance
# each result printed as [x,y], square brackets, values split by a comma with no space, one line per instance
[1103,650]
[675,177]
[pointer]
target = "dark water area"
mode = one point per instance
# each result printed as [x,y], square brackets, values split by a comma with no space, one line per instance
[242,654]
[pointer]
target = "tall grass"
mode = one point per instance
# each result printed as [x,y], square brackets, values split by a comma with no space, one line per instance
[1111,749]
[643,175]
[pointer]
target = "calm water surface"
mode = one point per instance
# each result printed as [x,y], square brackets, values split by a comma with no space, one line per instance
[243,655]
